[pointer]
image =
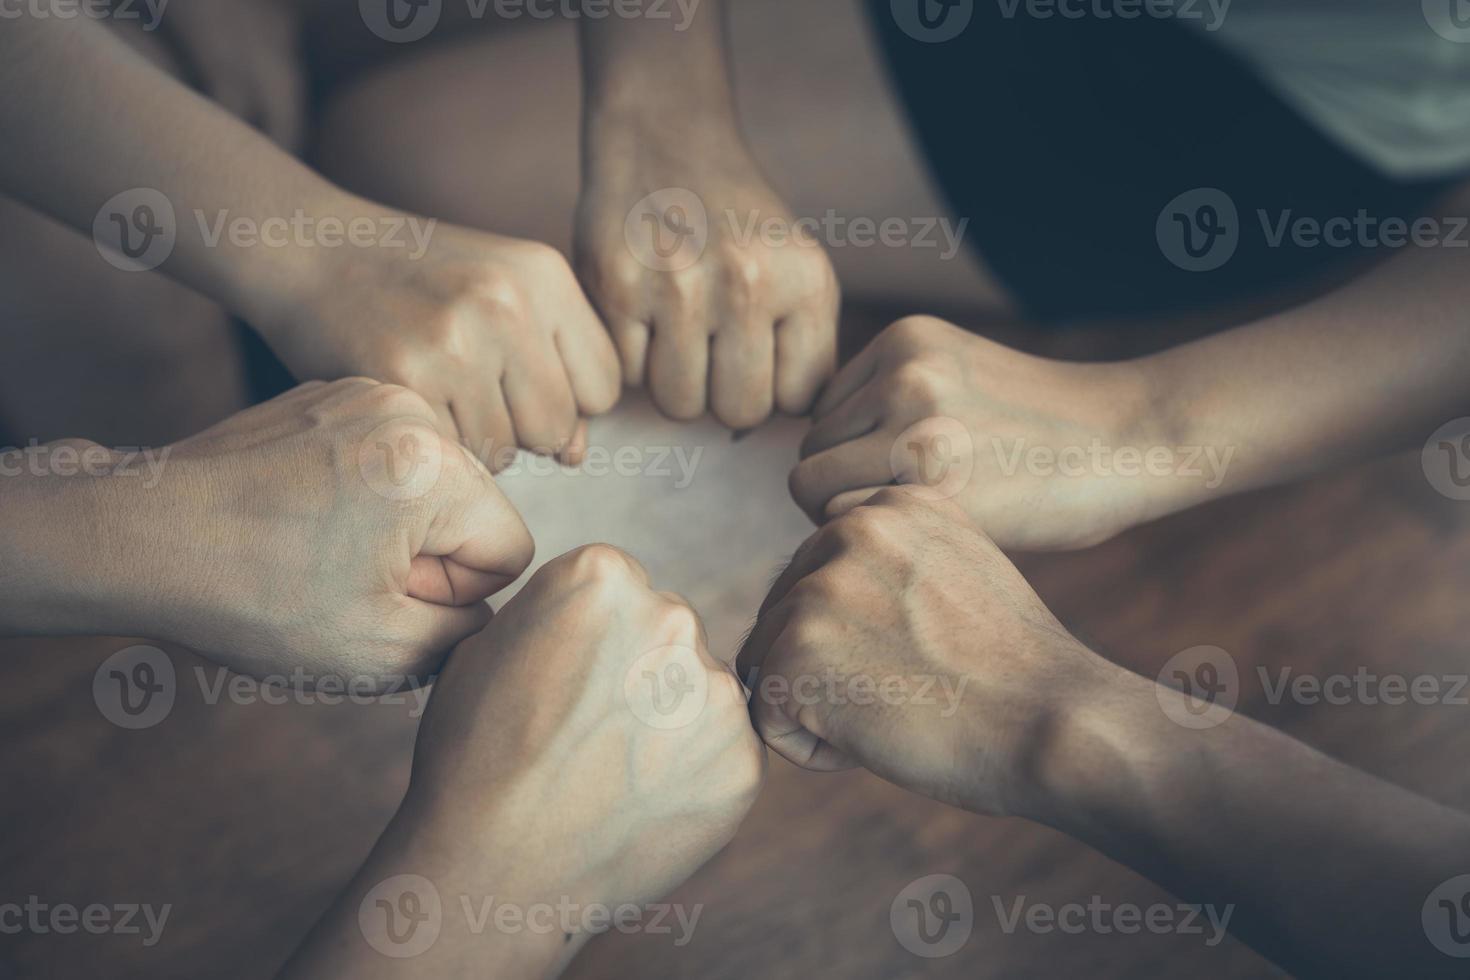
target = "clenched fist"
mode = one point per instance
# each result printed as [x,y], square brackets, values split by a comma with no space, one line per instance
[709,308]
[494,332]
[332,529]
[584,752]
[1042,454]
[902,640]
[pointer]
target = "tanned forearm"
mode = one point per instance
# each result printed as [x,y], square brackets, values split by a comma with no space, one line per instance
[1373,367]
[1324,869]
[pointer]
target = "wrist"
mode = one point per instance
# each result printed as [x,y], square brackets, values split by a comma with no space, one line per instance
[73,524]
[277,284]
[663,130]
[503,911]
[1181,465]
[1102,755]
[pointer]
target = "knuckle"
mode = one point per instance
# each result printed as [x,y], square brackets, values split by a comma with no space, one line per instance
[613,277]
[740,273]
[919,383]
[598,565]
[686,290]
[910,332]
[863,527]
[397,400]
[676,618]
[498,297]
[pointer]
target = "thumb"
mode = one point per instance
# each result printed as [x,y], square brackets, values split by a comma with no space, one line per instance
[475,543]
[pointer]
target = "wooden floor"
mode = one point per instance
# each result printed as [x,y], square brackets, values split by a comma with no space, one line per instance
[247,818]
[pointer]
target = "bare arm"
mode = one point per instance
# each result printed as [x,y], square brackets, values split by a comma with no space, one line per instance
[708,313]
[1327,870]
[1372,367]
[97,120]
[339,286]
[1049,455]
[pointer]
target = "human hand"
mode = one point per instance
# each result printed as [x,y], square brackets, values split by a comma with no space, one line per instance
[927,403]
[705,310]
[331,529]
[494,332]
[902,640]
[593,699]
[551,779]
[244,54]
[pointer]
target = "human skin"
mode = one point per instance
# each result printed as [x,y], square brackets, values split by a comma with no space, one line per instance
[1372,367]
[332,529]
[1048,730]
[537,779]
[245,55]
[493,331]
[739,326]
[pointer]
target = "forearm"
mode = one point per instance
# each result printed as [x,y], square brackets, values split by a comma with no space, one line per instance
[369,932]
[1375,366]
[97,120]
[1325,869]
[71,545]
[673,69]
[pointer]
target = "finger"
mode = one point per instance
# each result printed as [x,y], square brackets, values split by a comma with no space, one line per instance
[777,715]
[806,357]
[678,367]
[857,416]
[631,338]
[576,447]
[591,362]
[484,423]
[742,373]
[474,527]
[815,552]
[844,502]
[862,462]
[438,629]
[556,567]
[850,377]
[702,634]
[542,408]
